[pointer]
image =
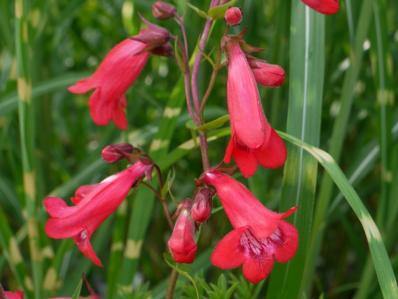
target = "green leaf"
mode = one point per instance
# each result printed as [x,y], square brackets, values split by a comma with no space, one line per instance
[214,124]
[10,102]
[182,272]
[307,60]
[200,12]
[218,12]
[78,290]
[381,261]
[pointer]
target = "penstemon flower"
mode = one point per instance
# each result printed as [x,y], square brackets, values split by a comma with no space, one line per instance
[118,71]
[93,204]
[326,7]
[13,295]
[253,141]
[259,236]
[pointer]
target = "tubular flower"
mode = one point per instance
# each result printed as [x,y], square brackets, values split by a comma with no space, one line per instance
[182,244]
[259,236]
[253,141]
[13,295]
[326,7]
[117,72]
[92,205]
[266,74]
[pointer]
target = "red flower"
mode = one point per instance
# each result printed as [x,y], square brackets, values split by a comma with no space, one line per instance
[233,16]
[182,244]
[93,204]
[266,74]
[13,295]
[260,236]
[253,141]
[326,7]
[117,72]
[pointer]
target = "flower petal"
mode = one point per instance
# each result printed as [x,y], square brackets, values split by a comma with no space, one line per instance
[82,86]
[245,160]
[288,248]
[100,109]
[228,253]
[57,207]
[119,114]
[229,150]
[323,6]
[82,192]
[257,269]
[87,249]
[274,154]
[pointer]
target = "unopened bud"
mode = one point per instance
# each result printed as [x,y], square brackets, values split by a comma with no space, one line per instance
[164,50]
[116,152]
[233,16]
[163,11]
[182,243]
[154,36]
[266,74]
[202,205]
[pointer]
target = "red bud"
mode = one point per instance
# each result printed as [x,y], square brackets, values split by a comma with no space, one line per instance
[266,74]
[154,36]
[163,11]
[202,205]
[116,152]
[182,243]
[233,16]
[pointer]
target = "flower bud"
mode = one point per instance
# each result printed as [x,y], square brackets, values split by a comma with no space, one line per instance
[182,243]
[163,11]
[266,74]
[153,36]
[116,152]
[233,16]
[202,205]
[163,50]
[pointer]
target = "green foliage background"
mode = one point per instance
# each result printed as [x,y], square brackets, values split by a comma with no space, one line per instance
[349,111]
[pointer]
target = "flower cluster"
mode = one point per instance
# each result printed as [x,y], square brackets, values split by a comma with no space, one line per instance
[259,236]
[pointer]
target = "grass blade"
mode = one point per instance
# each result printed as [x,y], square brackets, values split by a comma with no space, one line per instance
[339,131]
[381,261]
[307,57]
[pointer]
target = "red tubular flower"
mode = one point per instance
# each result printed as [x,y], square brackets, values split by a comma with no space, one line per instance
[117,72]
[93,204]
[266,74]
[182,244]
[233,16]
[13,295]
[260,236]
[253,141]
[326,7]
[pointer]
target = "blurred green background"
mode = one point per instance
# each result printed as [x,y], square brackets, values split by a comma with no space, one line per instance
[352,57]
